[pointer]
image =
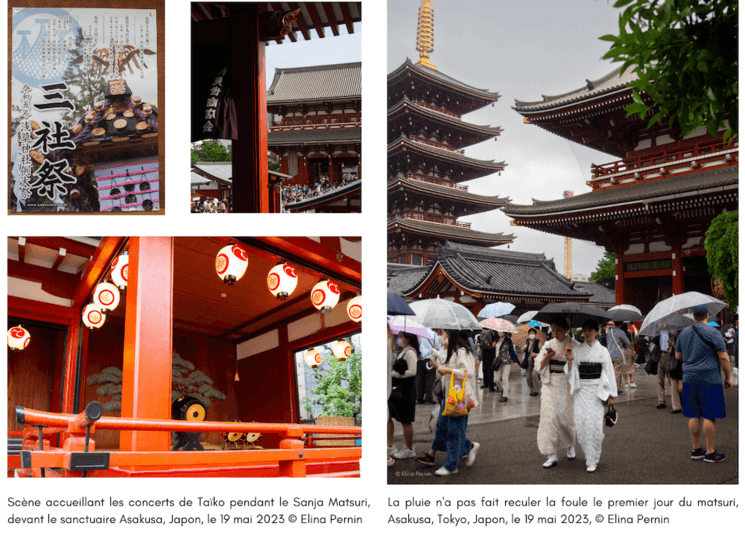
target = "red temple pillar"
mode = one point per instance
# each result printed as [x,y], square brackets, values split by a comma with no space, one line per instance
[620,282]
[678,272]
[146,369]
[250,150]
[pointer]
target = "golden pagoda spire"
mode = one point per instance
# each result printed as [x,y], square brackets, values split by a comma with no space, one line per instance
[425,33]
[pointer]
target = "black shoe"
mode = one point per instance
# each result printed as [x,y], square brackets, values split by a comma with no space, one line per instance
[492,390]
[714,457]
[676,411]
[426,459]
[534,394]
[429,402]
[661,405]
[484,386]
[698,454]
[503,399]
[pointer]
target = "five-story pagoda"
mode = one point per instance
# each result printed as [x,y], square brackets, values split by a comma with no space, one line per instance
[426,161]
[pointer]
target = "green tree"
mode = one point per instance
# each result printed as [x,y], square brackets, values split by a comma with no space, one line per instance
[210,151]
[338,390]
[605,273]
[721,253]
[685,54]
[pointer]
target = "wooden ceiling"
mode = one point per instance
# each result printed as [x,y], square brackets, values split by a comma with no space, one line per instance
[204,305]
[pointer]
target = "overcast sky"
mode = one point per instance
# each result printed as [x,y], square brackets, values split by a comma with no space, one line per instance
[521,50]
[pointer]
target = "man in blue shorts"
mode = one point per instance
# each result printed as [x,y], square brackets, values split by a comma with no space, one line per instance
[703,350]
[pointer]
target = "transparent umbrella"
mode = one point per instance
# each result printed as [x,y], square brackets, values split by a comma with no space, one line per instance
[669,314]
[495,309]
[402,323]
[439,313]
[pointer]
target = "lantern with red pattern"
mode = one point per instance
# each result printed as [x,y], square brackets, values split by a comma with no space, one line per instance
[354,309]
[342,350]
[231,263]
[282,280]
[18,338]
[325,295]
[93,317]
[313,358]
[120,271]
[106,296]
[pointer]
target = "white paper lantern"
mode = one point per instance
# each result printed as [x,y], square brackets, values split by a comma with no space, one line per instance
[313,358]
[354,309]
[93,317]
[106,296]
[325,295]
[120,271]
[18,338]
[342,350]
[282,280]
[231,263]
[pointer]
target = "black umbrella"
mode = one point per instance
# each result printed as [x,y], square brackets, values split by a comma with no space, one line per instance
[510,318]
[625,316]
[397,305]
[575,313]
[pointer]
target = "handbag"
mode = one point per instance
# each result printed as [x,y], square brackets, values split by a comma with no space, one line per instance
[496,364]
[651,366]
[526,362]
[675,368]
[625,353]
[455,405]
[611,416]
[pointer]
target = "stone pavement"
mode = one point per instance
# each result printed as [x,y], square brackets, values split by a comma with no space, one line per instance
[647,446]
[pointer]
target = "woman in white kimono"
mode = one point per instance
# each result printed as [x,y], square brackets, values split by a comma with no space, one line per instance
[592,383]
[556,424]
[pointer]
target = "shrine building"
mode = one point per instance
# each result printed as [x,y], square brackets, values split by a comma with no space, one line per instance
[180,356]
[652,206]
[229,97]
[317,134]
[427,165]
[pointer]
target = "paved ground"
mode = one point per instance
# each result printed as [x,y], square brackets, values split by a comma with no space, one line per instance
[647,446]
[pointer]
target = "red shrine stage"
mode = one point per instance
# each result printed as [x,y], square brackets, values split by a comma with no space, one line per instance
[180,352]
[652,207]
[238,32]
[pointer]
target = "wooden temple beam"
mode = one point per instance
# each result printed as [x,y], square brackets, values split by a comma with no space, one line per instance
[61,254]
[22,249]
[274,311]
[55,243]
[311,7]
[347,17]
[54,282]
[300,21]
[102,258]
[331,17]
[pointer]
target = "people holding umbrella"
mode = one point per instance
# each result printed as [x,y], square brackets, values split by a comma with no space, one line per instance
[402,400]
[591,383]
[451,431]
[504,351]
[530,351]
[556,431]
[623,364]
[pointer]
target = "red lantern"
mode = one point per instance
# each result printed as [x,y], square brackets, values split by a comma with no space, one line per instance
[93,317]
[282,280]
[354,309]
[231,263]
[312,358]
[18,338]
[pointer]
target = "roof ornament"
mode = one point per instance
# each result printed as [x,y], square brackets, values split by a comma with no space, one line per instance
[425,33]
[590,85]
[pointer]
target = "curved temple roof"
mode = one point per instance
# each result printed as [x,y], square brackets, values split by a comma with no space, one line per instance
[317,83]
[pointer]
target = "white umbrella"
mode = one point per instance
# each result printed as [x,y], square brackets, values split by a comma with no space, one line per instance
[443,314]
[495,309]
[669,314]
[527,317]
[626,313]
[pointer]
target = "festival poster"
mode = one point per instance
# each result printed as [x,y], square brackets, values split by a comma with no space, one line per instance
[84,113]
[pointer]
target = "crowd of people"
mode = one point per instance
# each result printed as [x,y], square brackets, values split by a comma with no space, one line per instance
[577,375]
[212,205]
[297,193]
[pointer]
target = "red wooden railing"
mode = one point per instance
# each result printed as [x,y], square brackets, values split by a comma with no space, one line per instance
[437,181]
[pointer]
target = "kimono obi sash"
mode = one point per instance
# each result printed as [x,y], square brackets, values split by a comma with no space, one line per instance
[556,366]
[590,370]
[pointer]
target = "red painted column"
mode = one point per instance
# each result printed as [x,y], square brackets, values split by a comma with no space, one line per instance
[148,333]
[678,273]
[71,363]
[620,282]
[250,150]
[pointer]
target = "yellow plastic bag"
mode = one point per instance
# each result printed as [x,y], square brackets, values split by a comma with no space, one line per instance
[455,404]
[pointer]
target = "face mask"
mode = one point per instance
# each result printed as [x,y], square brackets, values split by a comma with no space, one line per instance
[441,340]
[532,336]
[399,342]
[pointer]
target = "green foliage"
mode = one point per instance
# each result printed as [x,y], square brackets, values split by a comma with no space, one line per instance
[605,273]
[685,54]
[210,151]
[721,253]
[339,389]
[274,167]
